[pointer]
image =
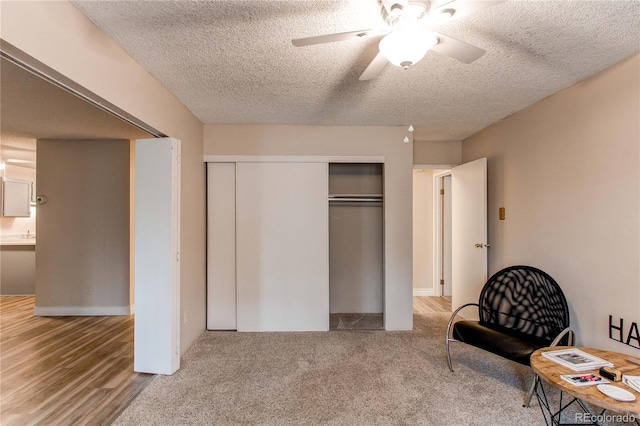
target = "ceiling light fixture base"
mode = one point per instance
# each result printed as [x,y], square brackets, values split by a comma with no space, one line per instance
[411,9]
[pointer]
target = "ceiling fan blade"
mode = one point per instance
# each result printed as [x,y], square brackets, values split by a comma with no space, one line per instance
[457,49]
[375,67]
[330,38]
[463,8]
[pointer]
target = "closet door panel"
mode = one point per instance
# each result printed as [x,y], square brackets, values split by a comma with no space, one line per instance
[221,246]
[282,238]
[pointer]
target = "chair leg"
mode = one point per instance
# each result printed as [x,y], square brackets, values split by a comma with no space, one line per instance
[448,339]
[531,391]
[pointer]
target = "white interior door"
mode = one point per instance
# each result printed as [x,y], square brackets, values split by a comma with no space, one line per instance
[157,256]
[282,247]
[469,233]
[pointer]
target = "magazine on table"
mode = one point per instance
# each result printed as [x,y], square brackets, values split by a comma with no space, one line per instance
[632,381]
[585,379]
[576,359]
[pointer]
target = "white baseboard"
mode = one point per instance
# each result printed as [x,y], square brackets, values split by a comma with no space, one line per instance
[423,292]
[82,311]
[18,295]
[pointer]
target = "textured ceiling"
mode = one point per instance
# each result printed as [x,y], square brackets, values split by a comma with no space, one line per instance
[232,62]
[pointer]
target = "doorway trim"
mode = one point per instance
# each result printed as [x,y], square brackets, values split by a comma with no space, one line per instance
[438,231]
[438,170]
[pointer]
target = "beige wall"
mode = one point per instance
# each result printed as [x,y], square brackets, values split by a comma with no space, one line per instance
[423,231]
[263,140]
[83,228]
[58,35]
[439,153]
[567,171]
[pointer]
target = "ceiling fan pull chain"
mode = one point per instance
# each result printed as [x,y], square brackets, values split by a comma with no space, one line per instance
[406,107]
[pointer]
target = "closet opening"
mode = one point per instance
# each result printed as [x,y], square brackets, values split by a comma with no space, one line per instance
[356,246]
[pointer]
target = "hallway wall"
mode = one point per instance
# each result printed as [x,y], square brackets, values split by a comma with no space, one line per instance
[423,238]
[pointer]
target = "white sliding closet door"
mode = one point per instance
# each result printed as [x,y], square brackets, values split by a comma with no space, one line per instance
[221,246]
[282,246]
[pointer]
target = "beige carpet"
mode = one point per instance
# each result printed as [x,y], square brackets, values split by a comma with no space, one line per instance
[342,377]
[356,322]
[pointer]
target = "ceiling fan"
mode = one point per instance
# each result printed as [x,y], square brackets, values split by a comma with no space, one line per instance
[410,31]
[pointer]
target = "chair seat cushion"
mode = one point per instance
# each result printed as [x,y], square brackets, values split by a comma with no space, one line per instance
[498,340]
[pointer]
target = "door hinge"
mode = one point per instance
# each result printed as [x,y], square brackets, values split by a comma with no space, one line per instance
[441,282]
[442,191]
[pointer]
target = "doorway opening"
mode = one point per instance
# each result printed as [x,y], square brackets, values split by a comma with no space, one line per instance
[356,246]
[431,239]
[469,245]
[60,105]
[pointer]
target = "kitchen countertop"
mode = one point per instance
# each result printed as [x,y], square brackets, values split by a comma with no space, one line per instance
[18,240]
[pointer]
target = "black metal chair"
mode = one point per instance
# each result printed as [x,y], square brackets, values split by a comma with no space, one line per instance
[521,309]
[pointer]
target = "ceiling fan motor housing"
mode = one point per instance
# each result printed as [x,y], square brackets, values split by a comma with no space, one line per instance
[394,7]
[393,10]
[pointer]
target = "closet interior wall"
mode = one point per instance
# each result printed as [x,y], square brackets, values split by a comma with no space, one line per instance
[356,273]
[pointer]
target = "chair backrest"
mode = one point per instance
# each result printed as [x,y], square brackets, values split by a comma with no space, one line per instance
[526,300]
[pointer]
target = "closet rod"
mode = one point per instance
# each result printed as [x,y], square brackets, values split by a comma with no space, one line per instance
[356,200]
[342,196]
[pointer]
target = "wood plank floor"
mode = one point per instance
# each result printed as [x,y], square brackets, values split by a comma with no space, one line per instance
[78,370]
[64,370]
[431,304]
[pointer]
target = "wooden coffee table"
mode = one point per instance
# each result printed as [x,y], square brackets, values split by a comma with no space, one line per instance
[550,371]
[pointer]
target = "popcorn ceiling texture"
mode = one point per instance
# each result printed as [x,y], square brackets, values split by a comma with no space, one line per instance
[232,62]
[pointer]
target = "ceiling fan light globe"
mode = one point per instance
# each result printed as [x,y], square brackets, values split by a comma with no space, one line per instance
[406,47]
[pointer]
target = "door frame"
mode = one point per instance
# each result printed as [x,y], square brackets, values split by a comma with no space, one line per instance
[438,254]
[442,170]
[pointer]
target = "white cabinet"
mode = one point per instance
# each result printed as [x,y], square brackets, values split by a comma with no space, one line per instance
[16,196]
